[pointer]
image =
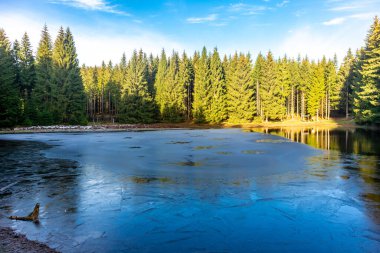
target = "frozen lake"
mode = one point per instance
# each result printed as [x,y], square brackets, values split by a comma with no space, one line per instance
[224,190]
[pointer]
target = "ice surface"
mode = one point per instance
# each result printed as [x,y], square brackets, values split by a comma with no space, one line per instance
[189,191]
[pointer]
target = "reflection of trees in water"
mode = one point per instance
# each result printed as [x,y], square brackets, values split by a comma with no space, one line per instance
[358,154]
[357,141]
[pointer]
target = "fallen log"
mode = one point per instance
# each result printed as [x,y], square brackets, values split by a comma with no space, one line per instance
[33,216]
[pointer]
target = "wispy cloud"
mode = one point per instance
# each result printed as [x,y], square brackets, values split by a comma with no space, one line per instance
[92,5]
[282,4]
[199,20]
[350,6]
[247,9]
[334,21]
[341,20]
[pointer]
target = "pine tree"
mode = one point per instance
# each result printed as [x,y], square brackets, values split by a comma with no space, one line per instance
[283,82]
[201,94]
[173,93]
[138,105]
[59,75]
[45,91]
[295,80]
[316,89]
[369,90]
[152,72]
[218,104]
[305,80]
[257,80]
[241,89]
[71,101]
[9,95]
[160,83]
[186,80]
[270,90]
[332,90]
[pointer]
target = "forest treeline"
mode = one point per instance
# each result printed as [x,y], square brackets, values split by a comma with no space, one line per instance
[50,87]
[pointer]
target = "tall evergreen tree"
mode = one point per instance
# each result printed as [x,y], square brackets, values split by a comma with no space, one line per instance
[161,82]
[257,79]
[174,93]
[202,85]
[305,80]
[369,90]
[241,89]
[218,91]
[45,91]
[186,80]
[270,90]
[283,82]
[316,90]
[138,105]
[9,95]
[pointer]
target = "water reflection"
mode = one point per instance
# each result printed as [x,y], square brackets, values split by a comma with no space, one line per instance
[349,140]
[356,151]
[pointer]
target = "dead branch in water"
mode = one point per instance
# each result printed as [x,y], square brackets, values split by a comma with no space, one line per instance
[33,216]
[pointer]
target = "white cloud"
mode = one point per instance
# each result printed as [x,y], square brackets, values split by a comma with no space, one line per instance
[93,5]
[282,4]
[246,9]
[334,21]
[92,49]
[341,20]
[351,6]
[199,20]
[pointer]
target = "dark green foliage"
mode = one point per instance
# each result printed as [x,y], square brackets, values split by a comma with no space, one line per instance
[270,91]
[368,91]
[202,84]
[45,91]
[186,80]
[138,105]
[218,91]
[9,92]
[240,89]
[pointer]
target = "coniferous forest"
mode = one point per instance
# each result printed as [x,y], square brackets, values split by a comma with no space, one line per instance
[50,87]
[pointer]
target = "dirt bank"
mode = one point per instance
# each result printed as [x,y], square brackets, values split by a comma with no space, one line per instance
[12,242]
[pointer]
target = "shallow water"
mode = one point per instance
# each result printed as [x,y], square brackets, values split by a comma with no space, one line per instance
[195,190]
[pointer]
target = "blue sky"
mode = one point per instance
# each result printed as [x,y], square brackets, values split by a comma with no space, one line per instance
[104,29]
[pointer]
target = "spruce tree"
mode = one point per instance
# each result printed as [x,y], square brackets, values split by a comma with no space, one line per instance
[270,90]
[240,89]
[257,80]
[73,89]
[369,91]
[218,97]
[138,105]
[283,82]
[201,96]
[71,101]
[173,94]
[305,80]
[9,94]
[186,80]
[316,89]
[160,82]
[45,91]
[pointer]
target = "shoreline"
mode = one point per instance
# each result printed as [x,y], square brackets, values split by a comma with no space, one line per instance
[11,241]
[332,124]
